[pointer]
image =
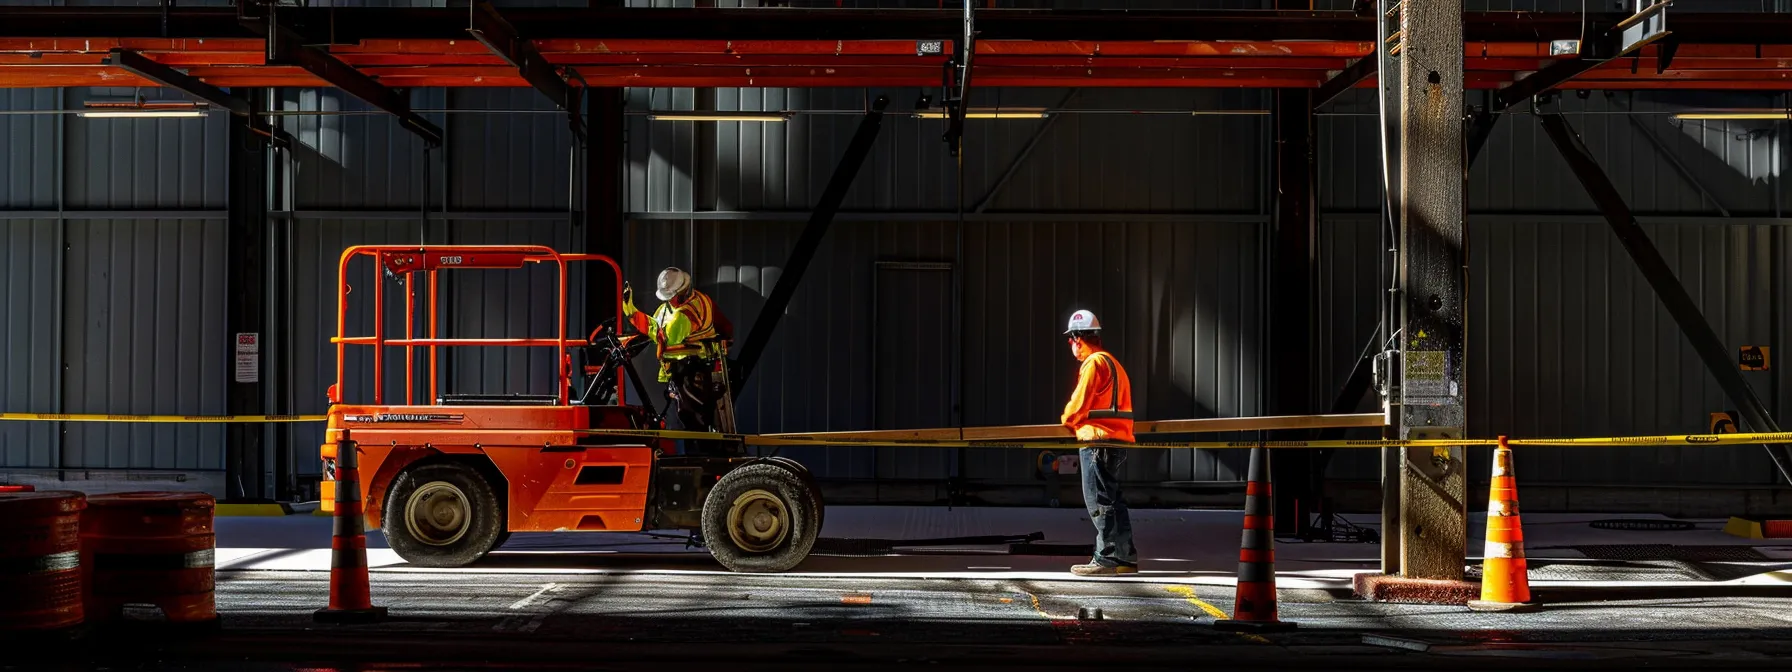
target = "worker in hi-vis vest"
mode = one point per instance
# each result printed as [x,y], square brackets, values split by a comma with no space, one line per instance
[1100,412]
[690,339]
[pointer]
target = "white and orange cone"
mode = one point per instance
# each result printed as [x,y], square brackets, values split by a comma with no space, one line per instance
[1505,580]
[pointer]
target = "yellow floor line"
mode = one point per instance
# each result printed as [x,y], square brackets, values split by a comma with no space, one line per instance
[1188,593]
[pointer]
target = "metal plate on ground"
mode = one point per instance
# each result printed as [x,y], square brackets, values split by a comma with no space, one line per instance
[1671,552]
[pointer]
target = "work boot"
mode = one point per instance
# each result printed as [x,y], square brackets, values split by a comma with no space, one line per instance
[1098,569]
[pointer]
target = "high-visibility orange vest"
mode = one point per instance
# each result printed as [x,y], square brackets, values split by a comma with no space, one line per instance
[1100,408]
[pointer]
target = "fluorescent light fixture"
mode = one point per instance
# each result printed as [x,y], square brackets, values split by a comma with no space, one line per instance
[707,115]
[1229,113]
[1736,115]
[1007,113]
[141,109]
[140,114]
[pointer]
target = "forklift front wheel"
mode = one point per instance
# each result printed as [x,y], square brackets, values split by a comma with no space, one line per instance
[442,514]
[760,518]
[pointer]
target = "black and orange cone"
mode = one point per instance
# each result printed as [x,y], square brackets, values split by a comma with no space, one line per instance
[351,598]
[1255,608]
[1505,578]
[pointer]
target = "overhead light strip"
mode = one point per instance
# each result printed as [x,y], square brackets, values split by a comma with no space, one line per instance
[719,116]
[1736,115]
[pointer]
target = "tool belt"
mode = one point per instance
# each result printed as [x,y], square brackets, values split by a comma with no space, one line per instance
[707,351]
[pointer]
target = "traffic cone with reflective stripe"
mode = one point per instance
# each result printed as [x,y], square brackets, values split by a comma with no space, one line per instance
[1505,583]
[1255,608]
[351,599]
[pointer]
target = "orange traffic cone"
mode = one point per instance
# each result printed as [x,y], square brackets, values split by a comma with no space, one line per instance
[1505,584]
[351,599]
[1255,608]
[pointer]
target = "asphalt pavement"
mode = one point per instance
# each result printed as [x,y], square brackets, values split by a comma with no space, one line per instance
[600,601]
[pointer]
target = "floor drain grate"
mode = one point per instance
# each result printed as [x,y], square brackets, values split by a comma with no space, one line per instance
[1672,552]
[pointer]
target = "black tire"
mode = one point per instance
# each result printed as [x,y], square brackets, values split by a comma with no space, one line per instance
[759,492]
[444,540]
[821,510]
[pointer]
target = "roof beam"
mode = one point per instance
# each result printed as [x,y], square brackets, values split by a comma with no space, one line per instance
[353,24]
[1345,80]
[139,65]
[287,47]
[490,28]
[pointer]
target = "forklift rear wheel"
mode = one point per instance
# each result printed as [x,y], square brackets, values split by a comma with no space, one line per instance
[760,518]
[441,514]
[821,511]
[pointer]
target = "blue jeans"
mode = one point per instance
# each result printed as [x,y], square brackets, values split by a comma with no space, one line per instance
[1101,495]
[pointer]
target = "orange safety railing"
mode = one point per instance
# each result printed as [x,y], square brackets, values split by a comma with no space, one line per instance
[407,261]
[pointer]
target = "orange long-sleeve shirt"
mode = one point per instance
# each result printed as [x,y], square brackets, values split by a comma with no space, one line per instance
[1099,379]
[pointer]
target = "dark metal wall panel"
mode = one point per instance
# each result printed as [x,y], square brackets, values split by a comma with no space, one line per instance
[355,157]
[30,364]
[1574,342]
[143,163]
[507,160]
[1111,161]
[28,168]
[1179,300]
[144,330]
[1520,171]
[1567,339]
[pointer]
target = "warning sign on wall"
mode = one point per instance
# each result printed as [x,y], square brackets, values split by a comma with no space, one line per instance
[1724,422]
[1755,358]
[248,358]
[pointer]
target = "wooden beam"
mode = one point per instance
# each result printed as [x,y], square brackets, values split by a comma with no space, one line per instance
[1192,426]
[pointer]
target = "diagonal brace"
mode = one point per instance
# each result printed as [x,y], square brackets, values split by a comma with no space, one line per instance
[1661,278]
[490,28]
[1345,80]
[140,65]
[287,47]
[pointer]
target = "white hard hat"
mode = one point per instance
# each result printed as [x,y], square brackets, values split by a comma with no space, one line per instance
[672,282]
[1083,320]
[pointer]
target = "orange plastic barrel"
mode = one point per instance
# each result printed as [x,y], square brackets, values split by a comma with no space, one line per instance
[40,560]
[150,548]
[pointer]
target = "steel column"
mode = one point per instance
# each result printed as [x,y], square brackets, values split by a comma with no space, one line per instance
[1293,231]
[603,199]
[1433,523]
[1718,358]
[246,276]
[808,242]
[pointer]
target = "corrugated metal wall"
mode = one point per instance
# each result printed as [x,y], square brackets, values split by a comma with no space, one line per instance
[1179,302]
[1520,171]
[1090,162]
[1567,339]
[121,316]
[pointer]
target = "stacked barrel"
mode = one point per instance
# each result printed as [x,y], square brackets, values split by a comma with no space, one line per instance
[40,561]
[150,548]
[67,559]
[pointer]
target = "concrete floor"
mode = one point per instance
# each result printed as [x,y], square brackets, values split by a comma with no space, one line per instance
[634,602]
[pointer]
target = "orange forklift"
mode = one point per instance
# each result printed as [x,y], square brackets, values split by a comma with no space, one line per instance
[450,480]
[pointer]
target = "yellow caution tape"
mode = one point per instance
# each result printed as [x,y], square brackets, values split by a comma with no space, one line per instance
[796,440]
[94,417]
[1635,441]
